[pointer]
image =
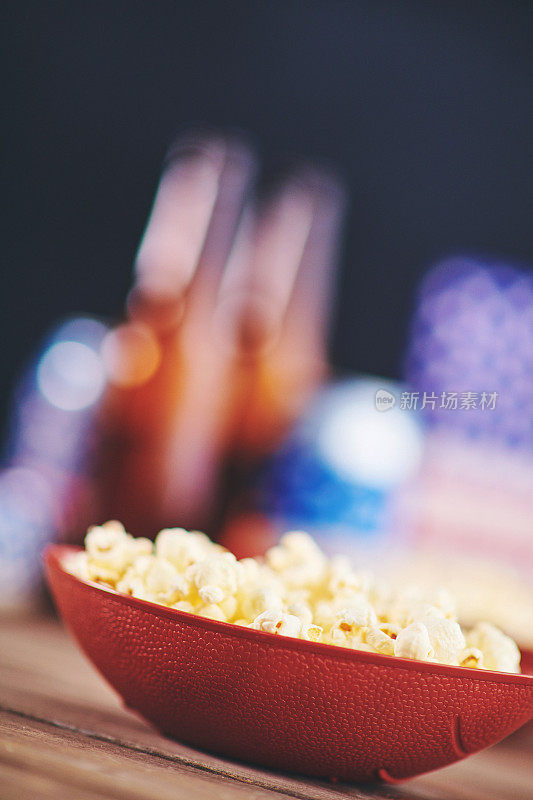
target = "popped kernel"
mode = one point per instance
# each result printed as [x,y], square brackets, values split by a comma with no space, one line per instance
[107,553]
[76,564]
[310,632]
[133,585]
[380,641]
[212,611]
[413,642]
[446,637]
[102,539]
[357,613]
[182,548]
[278,622]
[250,570]
[499,651]
[345,633]
[302,611]
[338,637]
[324,614]
[341,578]
[360,645]
[111,550]
[294,591]
[184,605]
[389,628]
[255,600]
[215,577]
[163,581]
[411,604]
[229,606]
[298,558]
[471,657]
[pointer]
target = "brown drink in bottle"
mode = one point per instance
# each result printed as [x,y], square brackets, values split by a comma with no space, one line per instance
[183,250]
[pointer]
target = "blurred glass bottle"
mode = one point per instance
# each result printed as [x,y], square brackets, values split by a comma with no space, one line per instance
[165,411]
[225,338]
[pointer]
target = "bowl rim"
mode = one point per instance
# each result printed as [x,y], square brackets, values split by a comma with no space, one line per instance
[53,555]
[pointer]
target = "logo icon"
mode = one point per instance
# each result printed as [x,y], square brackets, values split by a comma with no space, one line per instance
[384,400]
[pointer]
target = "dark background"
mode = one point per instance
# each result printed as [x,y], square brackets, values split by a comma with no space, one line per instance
[425,107]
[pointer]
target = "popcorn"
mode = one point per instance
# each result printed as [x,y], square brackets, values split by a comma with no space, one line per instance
[389,628]
[411,604]
[360,645]
[215,577]
[229,607]
[77,564]
[212,611]
[103,539]
[295,548]
[310,632]
[342,579]
[183,605]
[380,641]
[110,550]
[133,585]
[255,600]
[294,591]
[414,642]
[325,614]
[446,637]
[499,651]
[471,657]
[298,559]
[182,548]
[132,582]
[250,570]
[358,613]
[278,622]
[444,602]
[164,582]
[302,611]
[338,637]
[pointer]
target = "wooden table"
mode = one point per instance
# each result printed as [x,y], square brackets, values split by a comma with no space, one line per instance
[64,734]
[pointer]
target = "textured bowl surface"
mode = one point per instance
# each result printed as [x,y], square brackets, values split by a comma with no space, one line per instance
[284,703]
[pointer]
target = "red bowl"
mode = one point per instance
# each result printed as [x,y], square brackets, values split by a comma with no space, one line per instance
[286,703]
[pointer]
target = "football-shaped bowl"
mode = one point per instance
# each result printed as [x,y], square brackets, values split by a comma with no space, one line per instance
[286,703]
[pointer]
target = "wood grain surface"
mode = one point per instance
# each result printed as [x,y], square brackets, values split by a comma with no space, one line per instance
[64,734]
